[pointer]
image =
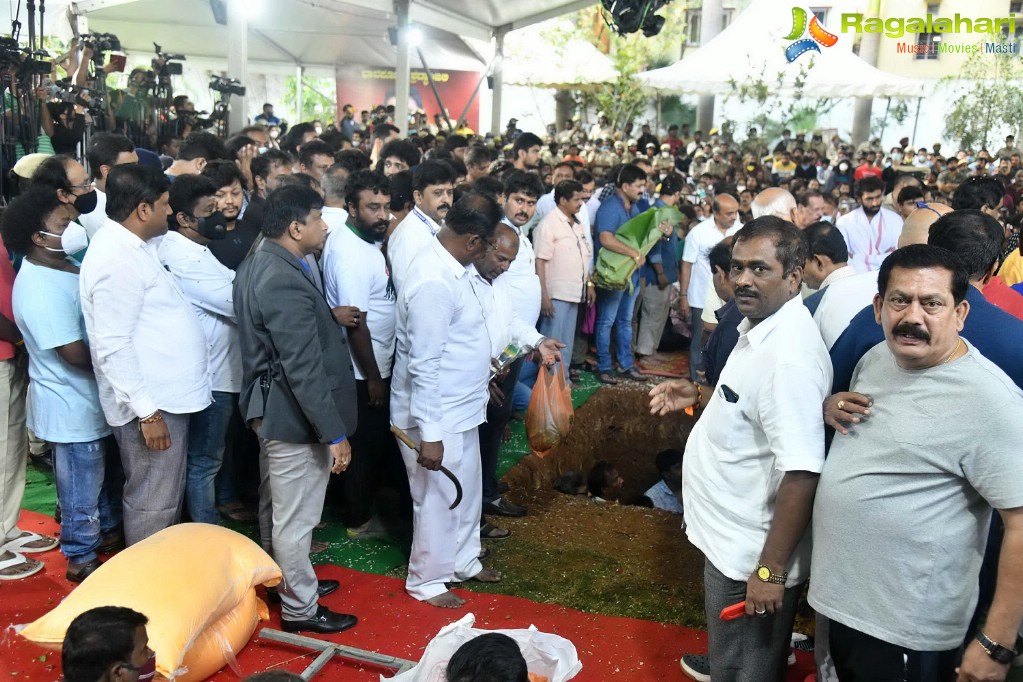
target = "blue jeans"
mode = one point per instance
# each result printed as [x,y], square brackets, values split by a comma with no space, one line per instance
[90,482]
[207,435]
[561,326]
[524,386]
[614,309]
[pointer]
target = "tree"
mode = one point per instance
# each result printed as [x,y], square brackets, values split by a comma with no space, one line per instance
[988,101]
[319,101]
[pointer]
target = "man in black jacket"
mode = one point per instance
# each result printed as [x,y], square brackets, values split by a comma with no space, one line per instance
[298,395]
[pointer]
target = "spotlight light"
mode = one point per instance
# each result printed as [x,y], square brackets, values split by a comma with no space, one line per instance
[414,36]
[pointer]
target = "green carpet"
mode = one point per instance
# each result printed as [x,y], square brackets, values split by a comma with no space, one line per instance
[377,555]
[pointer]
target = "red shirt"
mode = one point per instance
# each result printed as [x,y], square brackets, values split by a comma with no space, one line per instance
[6,300]
[863,170]
[1005,297]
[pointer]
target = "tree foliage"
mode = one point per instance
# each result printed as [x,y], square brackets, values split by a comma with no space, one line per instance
[989,103]
[319,101]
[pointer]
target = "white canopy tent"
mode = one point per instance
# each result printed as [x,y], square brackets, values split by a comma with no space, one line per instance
[316,34]
[574,64]
[753,48]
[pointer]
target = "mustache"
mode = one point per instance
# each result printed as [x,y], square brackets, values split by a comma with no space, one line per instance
[746,291]
[912,331]
[381,225]
[444,207]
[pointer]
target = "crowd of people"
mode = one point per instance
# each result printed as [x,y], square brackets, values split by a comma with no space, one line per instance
[294,317]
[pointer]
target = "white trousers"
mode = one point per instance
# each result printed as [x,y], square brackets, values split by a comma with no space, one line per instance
[445,542]
[13,444]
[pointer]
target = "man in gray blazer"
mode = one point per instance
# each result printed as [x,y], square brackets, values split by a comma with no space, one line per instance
[298,395]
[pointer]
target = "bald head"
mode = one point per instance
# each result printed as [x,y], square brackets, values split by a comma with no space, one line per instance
[726,210]
[917,225]
[776,202]
[496,260]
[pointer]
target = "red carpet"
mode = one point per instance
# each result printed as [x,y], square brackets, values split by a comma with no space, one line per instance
[390,622]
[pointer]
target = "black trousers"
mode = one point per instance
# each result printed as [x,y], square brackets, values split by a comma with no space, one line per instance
[861,658]
[374,456]
[492,430]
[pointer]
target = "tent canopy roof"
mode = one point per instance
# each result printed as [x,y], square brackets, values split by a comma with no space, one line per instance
[753,47]
[316,33]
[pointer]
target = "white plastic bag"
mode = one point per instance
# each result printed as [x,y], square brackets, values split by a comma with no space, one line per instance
[549,655]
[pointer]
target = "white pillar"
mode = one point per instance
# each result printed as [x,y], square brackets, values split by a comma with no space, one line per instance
[237,61]
[869,44]
[299,92]
[402,72]
[710,26]
[497,98]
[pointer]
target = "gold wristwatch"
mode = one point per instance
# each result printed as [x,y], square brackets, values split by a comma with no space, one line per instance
[766,575]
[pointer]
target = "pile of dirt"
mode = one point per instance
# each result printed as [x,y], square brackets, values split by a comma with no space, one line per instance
[615,424]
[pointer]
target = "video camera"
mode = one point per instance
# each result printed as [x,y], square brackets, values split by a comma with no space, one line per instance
[227,86]
[17,60]
[166,65]
[629,16]
[100,43]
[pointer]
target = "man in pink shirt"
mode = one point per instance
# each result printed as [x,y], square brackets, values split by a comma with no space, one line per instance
[563,258]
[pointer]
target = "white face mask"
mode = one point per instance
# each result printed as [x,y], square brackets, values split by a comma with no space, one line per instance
[318,130]
[73,240]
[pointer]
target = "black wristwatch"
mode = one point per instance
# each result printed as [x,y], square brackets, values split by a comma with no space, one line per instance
[995,650]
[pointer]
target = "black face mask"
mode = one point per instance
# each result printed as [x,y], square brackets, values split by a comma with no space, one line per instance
[213,226]
[86,203]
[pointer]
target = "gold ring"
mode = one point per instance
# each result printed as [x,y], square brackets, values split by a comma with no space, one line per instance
[841,404]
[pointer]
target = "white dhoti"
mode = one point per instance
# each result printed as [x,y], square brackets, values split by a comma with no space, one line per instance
[445,542]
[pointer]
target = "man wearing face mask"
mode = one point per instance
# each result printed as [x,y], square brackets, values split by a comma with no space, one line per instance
[207,285]
[148,349]
[70,181]
[63,395]
[230,195]
[432,191]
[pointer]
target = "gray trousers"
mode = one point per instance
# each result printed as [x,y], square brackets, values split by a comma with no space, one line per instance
[750,648]
[655,303]
[292,485]
[154,480]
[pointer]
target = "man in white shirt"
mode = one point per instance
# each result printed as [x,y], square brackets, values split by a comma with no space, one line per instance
[545,204]
[826,262]
[491,285]
[433,184]
[208,286]
[695,278]
[522,302]
[106,150]
[439,398]
[334,183]
[753,458]
[148,349]
[355,274]
[871,231]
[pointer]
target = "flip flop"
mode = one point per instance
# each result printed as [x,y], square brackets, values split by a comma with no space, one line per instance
[21,544]
[19,560]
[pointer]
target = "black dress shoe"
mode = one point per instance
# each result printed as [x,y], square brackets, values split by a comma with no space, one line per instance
[323,588]
[76,573]
[324,622]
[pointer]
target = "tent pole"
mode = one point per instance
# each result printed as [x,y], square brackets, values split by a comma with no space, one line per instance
[884,121]
[237,62]
[498,90]
[475,93]
[657,128]
[299,92]
[402,74]
[436,93]
[916,119]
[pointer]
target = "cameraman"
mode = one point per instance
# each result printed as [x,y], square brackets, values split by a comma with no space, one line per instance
[63,123]
[133,114]
[184,112]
